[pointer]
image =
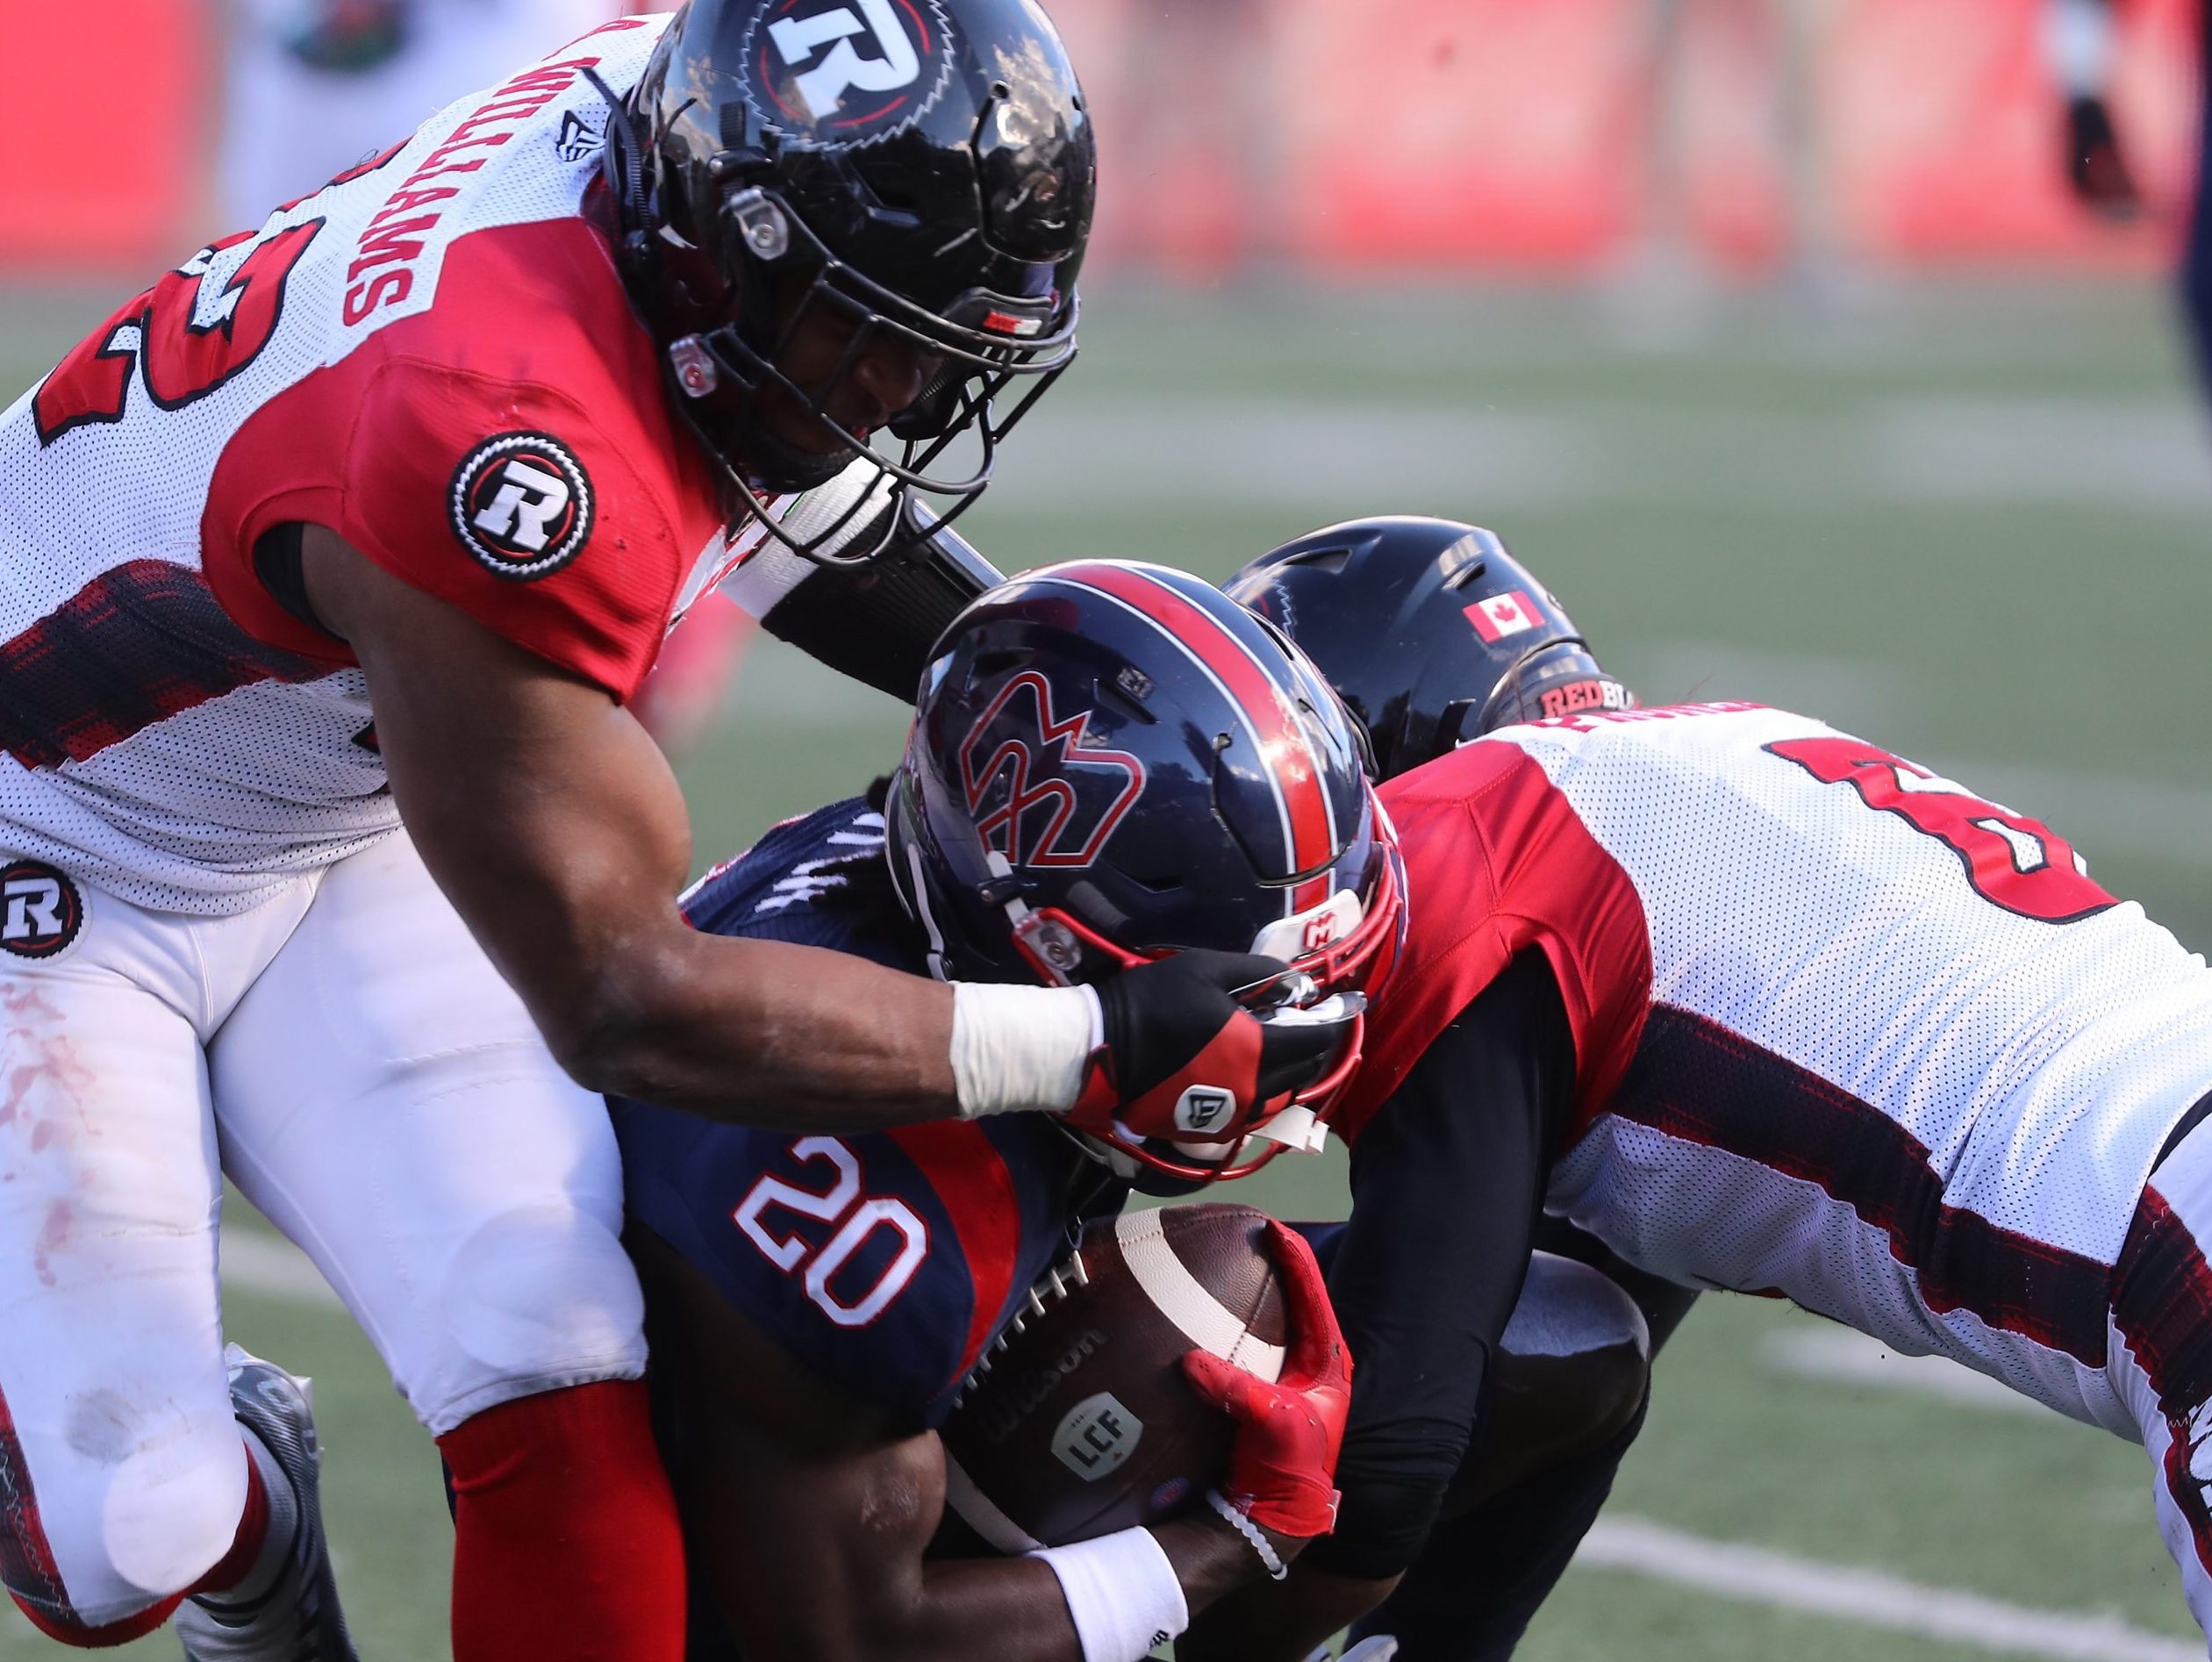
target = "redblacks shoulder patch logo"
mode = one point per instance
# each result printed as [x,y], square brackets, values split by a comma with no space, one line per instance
[522,504]
[828,72]
[41,909]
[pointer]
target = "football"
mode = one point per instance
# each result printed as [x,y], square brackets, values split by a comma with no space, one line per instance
[1079,1422]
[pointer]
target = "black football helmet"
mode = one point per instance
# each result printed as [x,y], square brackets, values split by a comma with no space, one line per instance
[1430,632]
[916,173]
[1113,762]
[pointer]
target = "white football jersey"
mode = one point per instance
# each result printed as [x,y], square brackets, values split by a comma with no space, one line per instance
[433,356]
[1845,1032]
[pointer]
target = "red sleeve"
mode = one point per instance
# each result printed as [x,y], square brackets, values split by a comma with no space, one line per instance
[1496,861]
[508,450]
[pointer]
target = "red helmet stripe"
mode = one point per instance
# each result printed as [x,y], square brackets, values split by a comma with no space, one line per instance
[1308,818]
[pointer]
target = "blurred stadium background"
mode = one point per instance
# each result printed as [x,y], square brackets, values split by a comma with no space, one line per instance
[1767,332]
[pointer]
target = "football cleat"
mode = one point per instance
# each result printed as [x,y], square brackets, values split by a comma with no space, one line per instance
[298,1618]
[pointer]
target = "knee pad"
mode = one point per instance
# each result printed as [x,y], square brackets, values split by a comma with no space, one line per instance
[103,1552]
[1571,1310]
[1572,1372]
[532,1298]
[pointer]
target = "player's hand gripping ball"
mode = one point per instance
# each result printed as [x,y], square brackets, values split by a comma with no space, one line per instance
[1283,1470]
[1082,1420]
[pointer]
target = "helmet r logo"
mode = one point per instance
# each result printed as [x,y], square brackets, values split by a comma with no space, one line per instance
[848,71]
[1002,773]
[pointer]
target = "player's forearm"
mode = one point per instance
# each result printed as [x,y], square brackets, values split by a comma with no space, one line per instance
[1281,1625]
[1017,1610]
[762,1033]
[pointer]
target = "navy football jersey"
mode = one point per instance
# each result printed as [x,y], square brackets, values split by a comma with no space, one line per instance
[883,1263]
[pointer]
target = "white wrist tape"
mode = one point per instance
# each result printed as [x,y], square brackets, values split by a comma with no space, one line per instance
[1016,1048]
[1121,1592]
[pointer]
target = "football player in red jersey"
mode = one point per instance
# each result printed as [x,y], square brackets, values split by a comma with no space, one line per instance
[328,564]
[1757,1006]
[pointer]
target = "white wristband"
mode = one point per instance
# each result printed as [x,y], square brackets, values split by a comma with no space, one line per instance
[1121,1593]
[1017,1048]
[1270,1560]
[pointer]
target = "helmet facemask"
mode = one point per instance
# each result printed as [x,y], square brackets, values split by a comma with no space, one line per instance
[799,265]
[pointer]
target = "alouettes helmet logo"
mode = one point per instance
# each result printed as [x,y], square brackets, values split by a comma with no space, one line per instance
[1040,792]
[827,73]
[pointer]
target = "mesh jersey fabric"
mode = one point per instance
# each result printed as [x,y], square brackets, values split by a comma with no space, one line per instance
[1844,1032]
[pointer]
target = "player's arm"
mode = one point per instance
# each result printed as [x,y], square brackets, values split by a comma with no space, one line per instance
[552,822]
[810,1514]
[1446,1182]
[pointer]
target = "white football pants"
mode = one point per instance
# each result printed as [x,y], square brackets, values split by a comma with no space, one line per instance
[375,1087]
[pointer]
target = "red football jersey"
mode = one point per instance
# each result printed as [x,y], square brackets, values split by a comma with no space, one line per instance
[434,356]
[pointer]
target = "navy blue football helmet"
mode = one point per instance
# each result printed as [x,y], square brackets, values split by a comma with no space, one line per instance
[1113,762]
[1430,632]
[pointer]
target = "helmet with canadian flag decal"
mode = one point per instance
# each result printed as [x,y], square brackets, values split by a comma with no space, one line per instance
[1429,630]
[1111,762]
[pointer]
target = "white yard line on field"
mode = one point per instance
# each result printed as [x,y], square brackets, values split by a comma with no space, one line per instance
[1758,1575]
[1330,456]
[1841,1356]
[273,1267]
[2141,455]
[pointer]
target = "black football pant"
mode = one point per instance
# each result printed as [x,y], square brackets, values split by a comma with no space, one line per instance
[1480,1579]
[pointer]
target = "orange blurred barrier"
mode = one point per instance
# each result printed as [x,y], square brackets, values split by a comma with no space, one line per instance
[1943,140]
[1443,131]
[1544,135]
[109,106]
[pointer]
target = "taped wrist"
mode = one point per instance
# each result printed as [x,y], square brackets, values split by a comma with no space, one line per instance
[1021,1047]
[1122,1594]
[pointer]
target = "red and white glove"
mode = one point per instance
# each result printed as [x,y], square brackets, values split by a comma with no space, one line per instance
[1186,1057]
[1283,1467]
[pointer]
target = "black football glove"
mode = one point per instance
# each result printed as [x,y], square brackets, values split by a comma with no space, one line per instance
[1187,1056]
[2095,167]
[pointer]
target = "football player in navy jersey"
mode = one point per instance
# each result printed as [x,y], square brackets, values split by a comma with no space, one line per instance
[1108,762]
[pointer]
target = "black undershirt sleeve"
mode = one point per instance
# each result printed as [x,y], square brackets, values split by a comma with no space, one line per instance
[1446,1182]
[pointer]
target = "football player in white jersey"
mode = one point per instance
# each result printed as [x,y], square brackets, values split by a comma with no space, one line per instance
[327,565]
[1757,1006]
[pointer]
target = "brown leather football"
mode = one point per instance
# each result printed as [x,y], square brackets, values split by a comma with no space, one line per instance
[1078,1422]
